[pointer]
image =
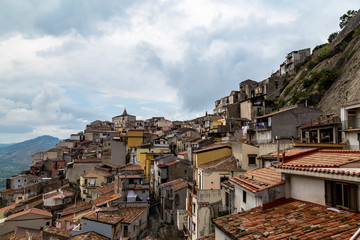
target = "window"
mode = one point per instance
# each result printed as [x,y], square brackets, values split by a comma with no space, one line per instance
[223,178]
[252,160]
[194,227]
[244,197]
[126,231]
[341,195]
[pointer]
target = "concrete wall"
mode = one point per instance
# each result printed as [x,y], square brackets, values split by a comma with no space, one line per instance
[98,227]
[257,199]
[241,151]
[307,189]
[220,235]
[251,200]
[245,109]
[272,147]
[73,173]
[204,213]
[286,124]
[352,138]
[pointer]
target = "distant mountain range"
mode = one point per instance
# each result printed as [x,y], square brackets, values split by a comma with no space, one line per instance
[16,157]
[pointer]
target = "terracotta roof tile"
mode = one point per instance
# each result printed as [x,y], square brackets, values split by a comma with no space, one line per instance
[32,210]
[101,173]
[176,184]
[259,179]
[227,163]
[88,160]
[89,236]
[322,121]
[210,237]
[323,158]
[105,189]
[124,215]
[211,147]
[107,198]
[74,208]
[25,236]
[295,219]
[58,231]
[288,152]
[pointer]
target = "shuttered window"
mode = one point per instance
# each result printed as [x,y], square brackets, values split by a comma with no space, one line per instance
[341,195]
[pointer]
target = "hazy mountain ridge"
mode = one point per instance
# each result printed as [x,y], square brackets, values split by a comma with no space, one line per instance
[16,157]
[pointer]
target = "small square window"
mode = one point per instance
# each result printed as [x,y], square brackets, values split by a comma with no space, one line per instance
[252,160]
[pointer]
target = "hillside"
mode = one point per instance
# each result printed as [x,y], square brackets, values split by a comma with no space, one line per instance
[16,157]
[330,77]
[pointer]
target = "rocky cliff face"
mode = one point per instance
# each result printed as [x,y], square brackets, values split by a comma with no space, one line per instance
[330,77]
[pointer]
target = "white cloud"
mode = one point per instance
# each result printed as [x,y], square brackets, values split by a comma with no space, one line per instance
[175,57]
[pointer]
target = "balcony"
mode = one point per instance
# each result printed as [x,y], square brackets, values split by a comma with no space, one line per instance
[258,126]
[351,124]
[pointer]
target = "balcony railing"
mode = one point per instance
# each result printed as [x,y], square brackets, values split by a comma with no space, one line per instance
[89,185]
[258,126]
[351,124]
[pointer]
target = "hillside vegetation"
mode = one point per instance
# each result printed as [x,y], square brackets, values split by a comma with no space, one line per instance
[330,77]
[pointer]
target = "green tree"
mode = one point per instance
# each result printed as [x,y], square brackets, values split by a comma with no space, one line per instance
[344,19]
[332,36]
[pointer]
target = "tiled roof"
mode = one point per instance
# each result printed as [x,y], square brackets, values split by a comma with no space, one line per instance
[280,111]
[26,236]
[89,236]
[322,121]
[295,219]
[131,167]
[58,231]
[259,179]
[106,198]
[32,210]
[323,158]
[105,189]
[211,147]
[124,215]
[227,163]
[210,237]
[76,207]
[88,160]
[176,184]
[96,172]
[288,152]
[131,176]
[168,163]
[11,191]
[55,150]
[335,171]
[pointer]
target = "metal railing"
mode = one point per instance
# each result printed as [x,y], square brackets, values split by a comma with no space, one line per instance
[351,124]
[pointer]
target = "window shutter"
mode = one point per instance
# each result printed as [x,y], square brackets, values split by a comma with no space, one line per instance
[328,194]
[352,197]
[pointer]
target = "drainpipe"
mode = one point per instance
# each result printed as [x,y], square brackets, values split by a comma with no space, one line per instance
[278,148]
[355,235]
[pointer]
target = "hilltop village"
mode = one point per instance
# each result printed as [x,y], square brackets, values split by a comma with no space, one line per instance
[249,170]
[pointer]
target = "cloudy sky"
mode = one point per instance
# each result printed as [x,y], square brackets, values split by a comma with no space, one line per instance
[65,63]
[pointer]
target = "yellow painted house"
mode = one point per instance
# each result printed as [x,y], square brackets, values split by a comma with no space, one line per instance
[134,138]
[147,156]
[210,153]
[91,180]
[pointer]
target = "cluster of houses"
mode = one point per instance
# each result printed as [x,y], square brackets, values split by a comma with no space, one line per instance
[243,172]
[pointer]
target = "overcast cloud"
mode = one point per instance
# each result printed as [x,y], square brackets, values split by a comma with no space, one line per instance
[66,63]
